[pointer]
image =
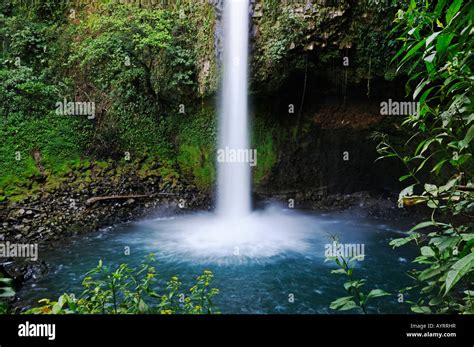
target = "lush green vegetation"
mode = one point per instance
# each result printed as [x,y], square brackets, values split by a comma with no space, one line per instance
[6,293]
[356,298]
[152,73]
[437,56]
[126,290]
[147,75]
[437,51]
[53,53]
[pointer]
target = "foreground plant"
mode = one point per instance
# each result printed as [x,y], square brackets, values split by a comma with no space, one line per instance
[437,54]
[357,300]
[6,292]
[127,290]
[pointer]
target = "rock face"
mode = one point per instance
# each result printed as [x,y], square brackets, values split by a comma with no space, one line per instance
[60,212]
[317,36]
[337,161]
[284,34]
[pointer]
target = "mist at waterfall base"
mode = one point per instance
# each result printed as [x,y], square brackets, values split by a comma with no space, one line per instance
[234,229]
[271,262]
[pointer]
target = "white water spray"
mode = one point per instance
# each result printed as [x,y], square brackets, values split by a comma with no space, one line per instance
[234,234]
[233,189]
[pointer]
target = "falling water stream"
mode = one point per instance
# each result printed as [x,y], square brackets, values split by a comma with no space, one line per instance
[233,191]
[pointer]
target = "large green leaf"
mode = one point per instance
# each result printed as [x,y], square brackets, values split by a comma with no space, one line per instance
[403,241]
[420,88]
[425,225]
[377,293]
[431,38]
[421,309]
[439,7]
[343,304]
[453,10]
[413,50]
[458,270]
[431,272]
[468,138]
[442,43]
[427,251]
[6,292]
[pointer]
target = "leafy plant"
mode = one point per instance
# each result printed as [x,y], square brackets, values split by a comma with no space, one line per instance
[6,292]
[127,290]
[357,299]
[437,54]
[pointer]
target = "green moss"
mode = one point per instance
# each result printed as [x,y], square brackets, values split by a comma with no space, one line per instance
[53,182]
[197,162]
[197,147]
[101,165]
[266,158]
[263,141]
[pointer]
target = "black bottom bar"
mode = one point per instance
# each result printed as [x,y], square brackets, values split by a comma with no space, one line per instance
[393,330]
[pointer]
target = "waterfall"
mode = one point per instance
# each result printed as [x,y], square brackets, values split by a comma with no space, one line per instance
[234,176]
[235,233]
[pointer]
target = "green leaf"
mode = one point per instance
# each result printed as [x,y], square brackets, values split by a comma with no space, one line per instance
[445,242]
[343,304]
[442,43]
[427,251]
[421,309]
[431,189]
[430,272]
[142,306]
[467,237]
[425,95]
[407,191]
[420,87]
[430,58]
[403,178]
[353,284]
[342,300]
[423,225]
[468,138]
[350,305]
[461,160]
[339,271]
[6,292]
[458,270]
[437,168]
[453,10]
[423,260]
[431,38]
[403,241]
[439,7]
[413,50]
[436,301]
[6,280]
[377,293]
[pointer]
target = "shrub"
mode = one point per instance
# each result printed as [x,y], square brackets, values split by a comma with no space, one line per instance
[127,290]
[437,54]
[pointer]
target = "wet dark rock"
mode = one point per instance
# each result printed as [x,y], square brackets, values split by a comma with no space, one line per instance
[23,270]
[63,212]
